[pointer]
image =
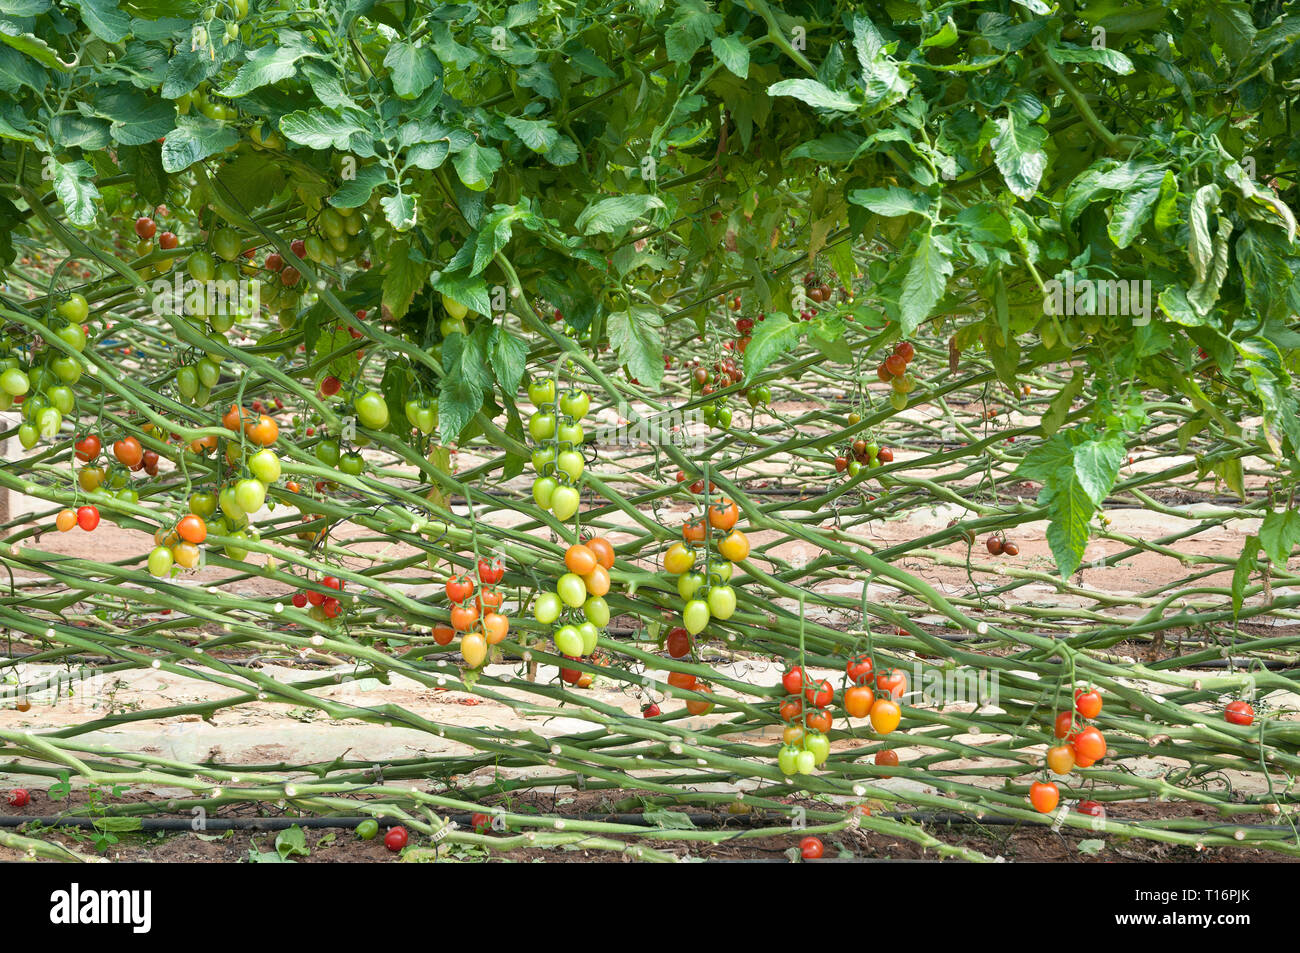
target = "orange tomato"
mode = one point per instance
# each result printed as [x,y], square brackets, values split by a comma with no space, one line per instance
[597,580]
[887,758]
[818,720]
[603,549]
[793,734]
[203,444]
[858,701]
[65,520]
[1044,796]
[700,707]
[694,531]
[735,546]
[464,617]
[233,419]
[723,515]
[580,559]
[495,627]
[264,431]
[443,634]
[1060,759]
[885,716]
[681,680]
[192,529]
[128,451]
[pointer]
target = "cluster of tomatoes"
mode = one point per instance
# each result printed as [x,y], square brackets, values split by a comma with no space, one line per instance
[558,462]
[42,386]
[706,591]
[863,453]
[999,545]
[577,608]
[323,605]
[1083,747]
[478,619]
[893,371]
[87,517]
[725,373]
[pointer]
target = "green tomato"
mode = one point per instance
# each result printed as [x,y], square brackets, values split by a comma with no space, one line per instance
[28,436]
[541,426]
[66,369]
[225,241]
[818,744]
[75,309]
[543,458]
[787,759]
[575,404]
[722,602]
[235,551]
[571,434]
[61,398]
[368,828]
[265,465]
[327,452]
[695,616]
[352,463]
[590,637]
[571,589]
[201,266]
[203,504]
[128,495]
[372,410]
[315,248]
[250,495]
[48,422]
[160,561]
[187,381]
[230,505]
[724,418]
[14,382]
[688,583]
[541,391]
[73,335]
[544,491]
[565,501]
[209,373]
[805,762]
[454,308]
[596,609]
[449,326]
[568,640]
[570,463]
[547,608]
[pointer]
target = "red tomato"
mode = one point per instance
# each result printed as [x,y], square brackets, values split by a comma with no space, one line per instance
[679,642]
[811,848]
[1063,722]
[792,680]
[1089,745]
[1239,713]
[818,720]
[1092,808]
[19,797]
[894,681]
[491,571]
[820,694]
[1087,704]
[650,711]
[482,823]
[396,838]
[459,588]
[88,517]
[859,669]
[791,709]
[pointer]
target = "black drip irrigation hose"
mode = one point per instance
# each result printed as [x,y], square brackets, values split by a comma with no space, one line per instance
[700,821]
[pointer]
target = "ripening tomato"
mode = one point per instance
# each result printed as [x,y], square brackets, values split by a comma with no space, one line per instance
[696,707]
[818,720]
[695,530]
[603,549]
[682,680]
[1087,704]
[473,649]
[885,716]
[791,709]
[735,546]
[1239,713]
[597,581]
[1089,745]
[858,700]
[723,515]
[128,451]
[678,558]
[263,431]
[1060,759]
[489,599]
[192,529]
[495,627]
[1044,796]
[464,617]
